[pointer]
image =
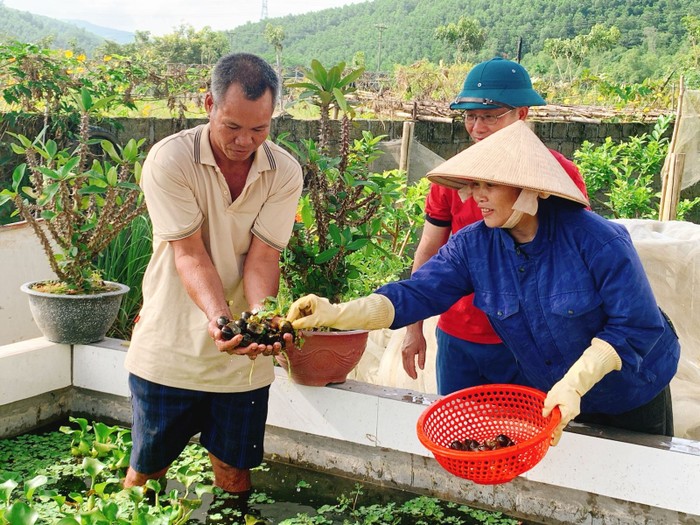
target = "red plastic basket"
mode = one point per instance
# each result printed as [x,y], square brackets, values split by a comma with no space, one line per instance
[482,413]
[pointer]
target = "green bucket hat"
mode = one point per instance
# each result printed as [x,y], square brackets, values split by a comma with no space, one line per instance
[497,83]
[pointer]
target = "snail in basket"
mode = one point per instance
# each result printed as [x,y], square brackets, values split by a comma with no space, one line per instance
[472,445]
[256,329]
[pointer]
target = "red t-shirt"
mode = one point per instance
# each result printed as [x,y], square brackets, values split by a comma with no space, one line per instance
[444,207]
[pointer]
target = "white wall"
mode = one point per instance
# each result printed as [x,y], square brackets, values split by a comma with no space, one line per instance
[22,259]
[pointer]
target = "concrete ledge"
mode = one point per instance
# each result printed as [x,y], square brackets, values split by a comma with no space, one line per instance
[35,412]
[100,367]
[33,367]
[98,406]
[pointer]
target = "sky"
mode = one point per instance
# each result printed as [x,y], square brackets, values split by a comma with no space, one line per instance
[161,16]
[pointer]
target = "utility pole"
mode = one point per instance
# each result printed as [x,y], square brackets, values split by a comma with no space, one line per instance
[381,28]
[263,12]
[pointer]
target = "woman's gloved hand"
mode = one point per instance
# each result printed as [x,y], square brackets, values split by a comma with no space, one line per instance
[596,362]
[366,313]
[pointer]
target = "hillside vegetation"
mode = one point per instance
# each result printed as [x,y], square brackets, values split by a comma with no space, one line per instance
[624,41]
[652,28]
[27,27]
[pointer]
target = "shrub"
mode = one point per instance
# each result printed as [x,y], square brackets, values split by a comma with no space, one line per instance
[621,177]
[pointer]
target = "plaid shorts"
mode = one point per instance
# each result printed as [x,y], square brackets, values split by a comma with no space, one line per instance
[232,425]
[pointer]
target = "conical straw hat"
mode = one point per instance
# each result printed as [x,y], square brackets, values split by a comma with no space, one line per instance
[512,156]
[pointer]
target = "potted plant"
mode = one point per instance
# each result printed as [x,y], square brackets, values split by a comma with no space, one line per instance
[76,203]
[342,221]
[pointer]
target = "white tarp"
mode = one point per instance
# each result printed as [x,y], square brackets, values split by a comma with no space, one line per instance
[670,253]
[688,138]
[421,159]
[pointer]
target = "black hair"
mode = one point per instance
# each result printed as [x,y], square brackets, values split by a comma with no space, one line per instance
[252,73]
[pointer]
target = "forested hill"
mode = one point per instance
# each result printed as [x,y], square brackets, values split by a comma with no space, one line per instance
[389,32]
[31,28]
[407,27]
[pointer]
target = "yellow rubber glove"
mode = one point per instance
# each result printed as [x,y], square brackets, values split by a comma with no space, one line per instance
[596,362]
[366,313]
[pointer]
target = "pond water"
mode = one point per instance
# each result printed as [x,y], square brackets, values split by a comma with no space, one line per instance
[282,494]
[290,494]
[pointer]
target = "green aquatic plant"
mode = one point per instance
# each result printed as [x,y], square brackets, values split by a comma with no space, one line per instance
[57,478]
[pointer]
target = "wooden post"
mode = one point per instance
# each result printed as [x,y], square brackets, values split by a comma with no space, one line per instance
[672,183]
[406,140]
[672,171]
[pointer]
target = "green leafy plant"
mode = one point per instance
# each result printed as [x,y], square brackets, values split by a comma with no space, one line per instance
[111,443]
[465,36]
[344,209]
[620,176]
[390,255]
[74,203]
[327,89]
[43,479]
[95,466]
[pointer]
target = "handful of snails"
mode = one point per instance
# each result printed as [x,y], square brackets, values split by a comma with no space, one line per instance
[256,328]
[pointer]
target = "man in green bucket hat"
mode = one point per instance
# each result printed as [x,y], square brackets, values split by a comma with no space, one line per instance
[496,94]
[497,83]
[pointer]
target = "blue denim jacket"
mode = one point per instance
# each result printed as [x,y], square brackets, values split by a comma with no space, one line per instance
[578,279]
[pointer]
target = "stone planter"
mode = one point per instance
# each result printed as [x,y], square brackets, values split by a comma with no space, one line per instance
[324,357]
[74,319]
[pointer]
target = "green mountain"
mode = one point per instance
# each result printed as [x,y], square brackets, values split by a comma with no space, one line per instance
[382,33]
[405,28]
[31,28]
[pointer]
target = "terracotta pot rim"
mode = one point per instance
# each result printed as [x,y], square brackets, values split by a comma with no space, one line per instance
[306,333]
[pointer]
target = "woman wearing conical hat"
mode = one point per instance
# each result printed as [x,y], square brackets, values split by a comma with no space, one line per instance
[563,288]
[495,94]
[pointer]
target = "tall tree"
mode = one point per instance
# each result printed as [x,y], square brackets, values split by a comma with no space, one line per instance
[692,26]
[569,53]
[274,35]
[466,35]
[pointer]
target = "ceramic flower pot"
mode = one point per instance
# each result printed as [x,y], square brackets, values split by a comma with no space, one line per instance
[324,357]
[74,319]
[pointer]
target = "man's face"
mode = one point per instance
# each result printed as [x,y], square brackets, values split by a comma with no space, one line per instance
[479,128]
[238,125]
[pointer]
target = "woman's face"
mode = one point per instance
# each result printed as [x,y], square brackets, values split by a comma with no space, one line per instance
[494,200]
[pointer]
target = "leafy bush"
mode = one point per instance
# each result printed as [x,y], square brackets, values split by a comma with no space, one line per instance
[390,255]
[341,221]
[425,80]
[84,202]
[345,211]
[621,177]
